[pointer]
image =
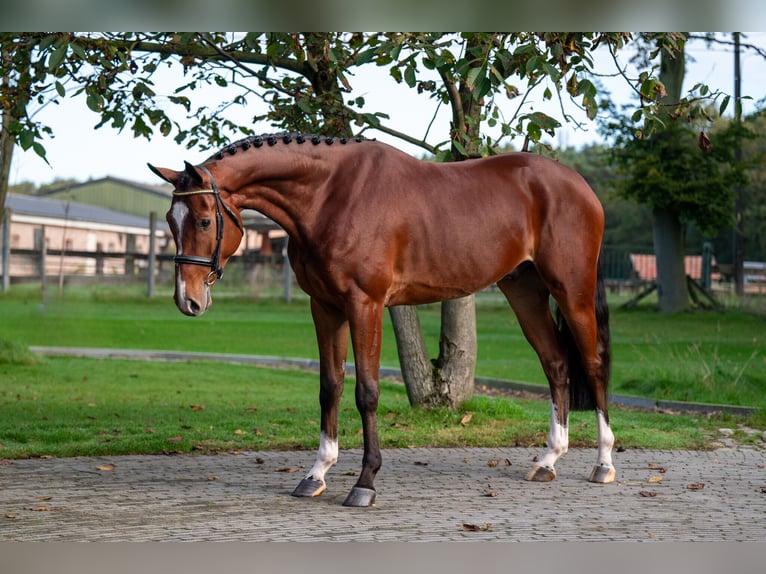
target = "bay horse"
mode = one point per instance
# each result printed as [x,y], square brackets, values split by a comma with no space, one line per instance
[370,226]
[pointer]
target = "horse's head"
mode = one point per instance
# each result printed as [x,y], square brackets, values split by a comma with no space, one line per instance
[206,230]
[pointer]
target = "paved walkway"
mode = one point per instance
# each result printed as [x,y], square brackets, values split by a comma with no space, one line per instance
[423,495]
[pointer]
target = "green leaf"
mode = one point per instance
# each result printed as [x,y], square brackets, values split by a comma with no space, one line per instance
[553,72]
[56,57]
[409,76]
[460,148]
[534,132]
[94,102]
[79,50]
[60,89]
[472,77]
[366,56]
[26,138]
[724,105]
[39,150]
[545,121]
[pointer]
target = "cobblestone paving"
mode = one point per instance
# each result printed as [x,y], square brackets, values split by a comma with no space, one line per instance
[423,495]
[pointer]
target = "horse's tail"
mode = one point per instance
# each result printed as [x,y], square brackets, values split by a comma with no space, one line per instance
[581,391]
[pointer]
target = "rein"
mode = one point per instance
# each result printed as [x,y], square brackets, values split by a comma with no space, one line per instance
[214,261]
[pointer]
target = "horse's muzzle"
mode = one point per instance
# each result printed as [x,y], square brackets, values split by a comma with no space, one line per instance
[191,306]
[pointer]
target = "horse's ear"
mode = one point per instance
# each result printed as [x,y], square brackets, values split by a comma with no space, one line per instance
[193,173]
[169,175]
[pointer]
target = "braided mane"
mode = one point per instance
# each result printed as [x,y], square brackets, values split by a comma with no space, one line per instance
[285,138]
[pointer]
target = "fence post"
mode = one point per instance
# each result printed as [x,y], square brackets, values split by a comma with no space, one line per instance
[6,249]
[707,260]
[150,261]
[41,249]
[130,257]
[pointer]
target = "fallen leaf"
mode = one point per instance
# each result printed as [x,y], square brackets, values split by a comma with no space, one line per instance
[655,479]
[41,508]
[175,439]
[212,477]
[647,494]
[662,469]
[488,492]
[696,486]
[287,469]
[11,516]
[350,473]
[535,458]
[197,407]
[240,431]
[6,462]
[508,462]
[466,418]
[259,460]
[493,463]
[420,463]
[106,467]
[43,498]
[467,527]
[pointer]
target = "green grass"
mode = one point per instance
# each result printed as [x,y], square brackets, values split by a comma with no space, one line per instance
[711,356]
[71,407]
[64,407]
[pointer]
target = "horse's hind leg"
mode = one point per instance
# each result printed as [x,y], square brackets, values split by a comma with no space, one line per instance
[332,337]
[585,333]
[529,298]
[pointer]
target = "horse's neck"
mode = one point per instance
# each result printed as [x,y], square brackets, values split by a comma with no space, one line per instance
[284,187]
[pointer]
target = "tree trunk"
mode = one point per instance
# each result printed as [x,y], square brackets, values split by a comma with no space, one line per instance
[417,370]
[6,152]
[6,145]
[449,379]
[672,291]
[456,364]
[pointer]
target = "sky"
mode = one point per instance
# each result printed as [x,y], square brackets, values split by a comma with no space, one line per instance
[80,152]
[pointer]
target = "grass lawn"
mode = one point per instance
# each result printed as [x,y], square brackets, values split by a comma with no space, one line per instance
[64,407]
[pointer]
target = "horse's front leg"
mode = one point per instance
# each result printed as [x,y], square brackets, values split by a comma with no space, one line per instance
[366,320]
[332,338]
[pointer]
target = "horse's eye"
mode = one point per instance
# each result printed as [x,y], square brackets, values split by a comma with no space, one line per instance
[204,224]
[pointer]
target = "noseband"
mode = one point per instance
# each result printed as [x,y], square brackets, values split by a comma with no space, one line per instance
[214,262]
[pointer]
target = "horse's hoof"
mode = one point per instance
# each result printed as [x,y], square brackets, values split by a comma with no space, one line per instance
[309,487]
[541,474]
[360,497]
[603,474]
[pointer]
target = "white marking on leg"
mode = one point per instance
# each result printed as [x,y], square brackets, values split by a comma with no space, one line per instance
[327,455]
[605,440]
[558,439]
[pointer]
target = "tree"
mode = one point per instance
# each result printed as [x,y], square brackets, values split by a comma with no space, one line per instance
[304,79]
[678,173]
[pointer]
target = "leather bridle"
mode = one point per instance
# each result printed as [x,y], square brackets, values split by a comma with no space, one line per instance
[214,261]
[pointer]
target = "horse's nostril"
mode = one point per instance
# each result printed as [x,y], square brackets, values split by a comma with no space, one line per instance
[194,307]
